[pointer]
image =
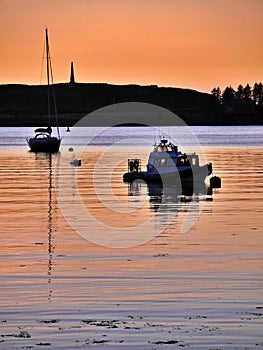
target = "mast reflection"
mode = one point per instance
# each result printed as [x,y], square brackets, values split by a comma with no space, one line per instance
[47,162]
[50,225]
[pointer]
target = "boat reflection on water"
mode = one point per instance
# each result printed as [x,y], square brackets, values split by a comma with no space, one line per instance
[46,162]
[166,203]
[174,193]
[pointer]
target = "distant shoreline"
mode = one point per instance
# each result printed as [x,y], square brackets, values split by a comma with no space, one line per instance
[12,122]
[71,120]
[24,105]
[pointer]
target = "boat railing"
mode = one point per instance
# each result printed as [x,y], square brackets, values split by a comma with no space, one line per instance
[134,165]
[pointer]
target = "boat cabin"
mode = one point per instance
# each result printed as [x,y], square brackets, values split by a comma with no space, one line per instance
[167,155]
[164,155]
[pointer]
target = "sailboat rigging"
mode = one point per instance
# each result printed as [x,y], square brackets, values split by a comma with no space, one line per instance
[43,141]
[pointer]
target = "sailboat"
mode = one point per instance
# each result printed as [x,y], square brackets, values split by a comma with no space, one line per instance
[43,141]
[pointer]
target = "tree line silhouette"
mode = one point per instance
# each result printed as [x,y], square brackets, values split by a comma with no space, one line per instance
[243,100]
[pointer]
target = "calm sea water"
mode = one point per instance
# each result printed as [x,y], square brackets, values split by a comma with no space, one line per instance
[125,269]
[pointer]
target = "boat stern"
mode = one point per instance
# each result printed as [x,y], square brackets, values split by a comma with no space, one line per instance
[209,168]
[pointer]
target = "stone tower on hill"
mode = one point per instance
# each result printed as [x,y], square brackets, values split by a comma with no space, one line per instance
[72,76]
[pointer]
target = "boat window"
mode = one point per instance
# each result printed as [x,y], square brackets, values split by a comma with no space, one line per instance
[194,160]
[159,162]
[178,162]
[170,162]
[183,161]
[162,162]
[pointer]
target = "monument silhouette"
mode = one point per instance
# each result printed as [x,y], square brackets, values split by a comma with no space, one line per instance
[72,76]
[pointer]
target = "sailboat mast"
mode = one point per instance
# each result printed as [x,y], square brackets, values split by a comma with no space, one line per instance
[48,77]
[51,86]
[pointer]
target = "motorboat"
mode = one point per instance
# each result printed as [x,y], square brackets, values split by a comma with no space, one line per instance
[168,165]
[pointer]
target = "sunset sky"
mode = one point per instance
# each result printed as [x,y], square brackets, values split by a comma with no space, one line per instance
[195,44]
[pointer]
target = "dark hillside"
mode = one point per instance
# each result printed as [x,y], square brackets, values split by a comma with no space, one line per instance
[23,105]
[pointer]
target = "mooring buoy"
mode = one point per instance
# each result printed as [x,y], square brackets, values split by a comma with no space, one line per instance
[215,182]
[76,162]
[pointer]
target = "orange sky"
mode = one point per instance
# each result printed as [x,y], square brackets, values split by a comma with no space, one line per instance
[195,44]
